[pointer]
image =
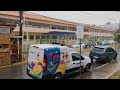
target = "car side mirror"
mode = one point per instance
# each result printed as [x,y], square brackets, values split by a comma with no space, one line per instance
[82,59]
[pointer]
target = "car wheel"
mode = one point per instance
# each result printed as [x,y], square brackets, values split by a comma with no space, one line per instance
[58,76]
[115,57]
[88,67]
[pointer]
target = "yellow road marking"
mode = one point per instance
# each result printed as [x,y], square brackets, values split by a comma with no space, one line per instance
[25,62]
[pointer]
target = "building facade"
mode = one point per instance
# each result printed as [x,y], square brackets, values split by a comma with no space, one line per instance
[42,29]
[94,34]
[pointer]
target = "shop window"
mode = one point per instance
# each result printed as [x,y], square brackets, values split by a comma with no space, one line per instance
[48,37]
[42,37]
[54,37]
[53,27]
[37,37]
[25,37]
[60,37]
[75,38]
[31,37]
[72,37]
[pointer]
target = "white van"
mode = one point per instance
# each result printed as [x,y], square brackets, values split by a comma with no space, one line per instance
[54,61]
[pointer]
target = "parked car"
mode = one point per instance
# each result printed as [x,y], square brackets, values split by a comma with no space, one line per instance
[111,41]
[77,45]
[105,43]
[103,54]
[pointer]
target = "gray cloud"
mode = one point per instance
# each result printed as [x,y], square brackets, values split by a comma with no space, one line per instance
[88,17]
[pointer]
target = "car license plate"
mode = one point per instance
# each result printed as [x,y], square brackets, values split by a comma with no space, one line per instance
[95,57]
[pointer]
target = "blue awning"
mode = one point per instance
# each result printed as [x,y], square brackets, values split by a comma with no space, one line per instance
[58,32]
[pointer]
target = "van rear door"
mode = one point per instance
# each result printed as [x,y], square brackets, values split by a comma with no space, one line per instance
[35,54]
[35,62]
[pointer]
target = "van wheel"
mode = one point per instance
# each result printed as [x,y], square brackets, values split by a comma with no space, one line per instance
[58,76]
[88,67]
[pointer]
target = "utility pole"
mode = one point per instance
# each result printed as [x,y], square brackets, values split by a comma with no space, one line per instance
[20,34]
[119,32]
[80,59]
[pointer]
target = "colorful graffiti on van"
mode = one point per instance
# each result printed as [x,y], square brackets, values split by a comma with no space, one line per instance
[36,68]
[48,67]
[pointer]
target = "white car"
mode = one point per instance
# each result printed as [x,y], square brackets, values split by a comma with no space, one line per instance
[77,45]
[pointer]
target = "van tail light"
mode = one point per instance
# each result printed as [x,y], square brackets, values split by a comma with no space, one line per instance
[104,54]
[33,64]
[44,64]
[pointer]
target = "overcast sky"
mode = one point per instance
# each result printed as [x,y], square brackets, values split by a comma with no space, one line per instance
[87,17]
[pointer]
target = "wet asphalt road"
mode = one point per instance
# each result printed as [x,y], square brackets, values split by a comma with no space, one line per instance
[19,71]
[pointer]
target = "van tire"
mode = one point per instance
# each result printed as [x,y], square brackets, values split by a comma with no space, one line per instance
[57,76]
[88,67]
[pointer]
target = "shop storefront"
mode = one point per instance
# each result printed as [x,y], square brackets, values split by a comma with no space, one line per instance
[5,44]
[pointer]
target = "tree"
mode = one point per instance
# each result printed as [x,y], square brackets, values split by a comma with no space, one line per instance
[117,37]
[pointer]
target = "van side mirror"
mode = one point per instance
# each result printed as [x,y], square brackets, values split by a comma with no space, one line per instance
[82,58]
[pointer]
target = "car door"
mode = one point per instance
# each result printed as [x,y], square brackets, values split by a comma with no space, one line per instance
[76,60]
[109,53]
[113,53]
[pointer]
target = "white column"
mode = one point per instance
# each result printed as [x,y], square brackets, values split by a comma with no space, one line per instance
[67,27]
[40,39]
[27,41]
[34,38]
[50,26]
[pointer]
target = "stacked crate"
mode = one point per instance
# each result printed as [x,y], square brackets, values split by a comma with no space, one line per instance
[4,50]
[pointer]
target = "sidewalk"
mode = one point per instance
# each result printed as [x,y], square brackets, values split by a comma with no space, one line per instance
[18,63]
[102,73]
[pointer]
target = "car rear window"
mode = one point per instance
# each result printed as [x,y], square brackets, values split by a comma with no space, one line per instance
[98,49]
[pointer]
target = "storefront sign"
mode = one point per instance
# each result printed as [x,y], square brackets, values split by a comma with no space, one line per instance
[80,31]
[4,30]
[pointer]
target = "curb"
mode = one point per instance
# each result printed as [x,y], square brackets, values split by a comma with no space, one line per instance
[111,73]
[99,67]
[24,62]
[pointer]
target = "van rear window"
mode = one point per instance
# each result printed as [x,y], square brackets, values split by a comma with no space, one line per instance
[98,49]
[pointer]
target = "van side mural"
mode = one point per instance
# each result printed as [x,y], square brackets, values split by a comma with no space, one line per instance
[53,60]
[36,68]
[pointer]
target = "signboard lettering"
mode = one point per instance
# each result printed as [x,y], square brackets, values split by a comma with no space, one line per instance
[4,30]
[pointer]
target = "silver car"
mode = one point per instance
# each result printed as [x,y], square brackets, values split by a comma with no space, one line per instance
[77,45]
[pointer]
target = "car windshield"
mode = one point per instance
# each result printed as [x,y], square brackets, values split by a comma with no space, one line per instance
[98,49]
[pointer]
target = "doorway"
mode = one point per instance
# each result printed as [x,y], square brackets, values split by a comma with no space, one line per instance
[16,49]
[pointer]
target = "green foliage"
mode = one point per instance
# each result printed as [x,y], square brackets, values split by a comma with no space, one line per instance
[117,38]
[115,75]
